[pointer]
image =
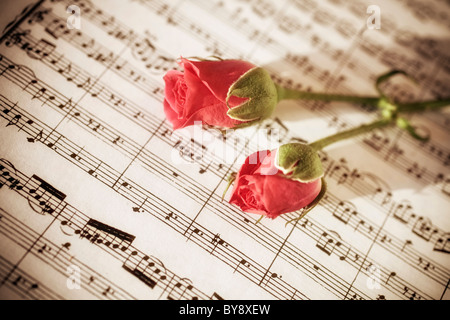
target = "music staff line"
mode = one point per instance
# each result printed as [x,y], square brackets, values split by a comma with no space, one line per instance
[107,95]
[104,17]
[294,250]
[410,166]
[306,33]
[329,21]
[179,223]
[58,258]
[155,60]
[439,155]
[75,223]
[115,136]
[380,195]
[82,80]
[401,159]
[347,213]
[70,159]
[24,285]
[74,153]
[79,157]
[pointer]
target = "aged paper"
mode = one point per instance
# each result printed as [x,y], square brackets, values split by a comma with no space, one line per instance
[100,199]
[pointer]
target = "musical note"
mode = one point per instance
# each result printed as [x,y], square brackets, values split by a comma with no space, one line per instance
[14,120]
[243,263]
[116,233]
[44,248]
[143,50]
[42,49]
[140,208]
[85,84]
[56,28]
[344,256]
[426,265]
[327,243]
[44,194]
[160,64]
[391,275]
[215,296]
[191,151]
[180,290]
[344,211]
[141,276]
[416,170]
[276,130]
[424,228]
[195,231]
[442,244]
[171,215]
[378,140]
[94,125]
[444,182]
[216,241]
[340,171]
[404,211]
[411,294]
[407,243]
[37,137]
[95,140]
[76,156]
[116,101]
[97,92]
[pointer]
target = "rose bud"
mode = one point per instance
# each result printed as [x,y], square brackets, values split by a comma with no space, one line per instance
[271,183]
[222,93]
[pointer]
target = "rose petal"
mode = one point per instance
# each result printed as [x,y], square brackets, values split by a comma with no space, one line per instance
[171,78]
[240,197]
[172,116]
[214,115]
[254,161]
[281,195]
[202,104]
[218,76]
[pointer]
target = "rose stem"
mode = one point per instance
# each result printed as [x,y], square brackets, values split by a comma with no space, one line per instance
[422,106]
[407,107]
[322,143]
[285,93]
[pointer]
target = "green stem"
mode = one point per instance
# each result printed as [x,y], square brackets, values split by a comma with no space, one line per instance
[285,93]
[322,143]
[388,117]
[422,106]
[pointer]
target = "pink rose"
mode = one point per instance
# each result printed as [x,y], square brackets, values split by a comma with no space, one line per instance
[263,189]
[199,93]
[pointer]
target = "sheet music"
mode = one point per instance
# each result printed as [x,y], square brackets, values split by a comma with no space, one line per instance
[100,199]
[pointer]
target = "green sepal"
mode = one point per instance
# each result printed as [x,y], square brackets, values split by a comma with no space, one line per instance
[258,87]
[299,162]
